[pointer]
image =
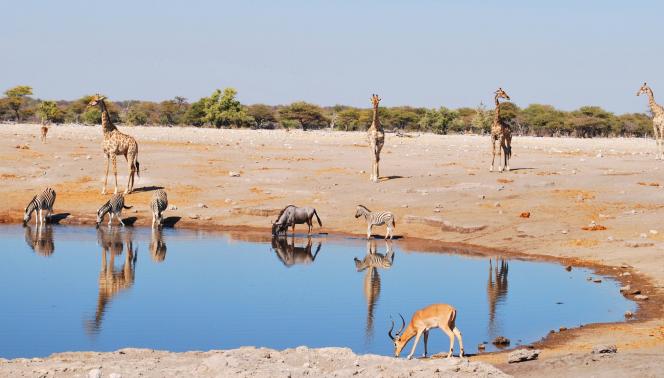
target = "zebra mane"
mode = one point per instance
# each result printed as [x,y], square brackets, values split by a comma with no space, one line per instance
[31,203]
[283,211]
[364,207]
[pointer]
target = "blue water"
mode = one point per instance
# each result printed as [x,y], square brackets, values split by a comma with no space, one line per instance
[208,291]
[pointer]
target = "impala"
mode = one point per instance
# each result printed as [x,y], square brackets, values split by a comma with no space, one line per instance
[440,316]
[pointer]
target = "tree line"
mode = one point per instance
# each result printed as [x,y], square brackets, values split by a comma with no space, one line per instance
[222,109]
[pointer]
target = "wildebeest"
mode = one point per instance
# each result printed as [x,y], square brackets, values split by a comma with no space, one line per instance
[292,215]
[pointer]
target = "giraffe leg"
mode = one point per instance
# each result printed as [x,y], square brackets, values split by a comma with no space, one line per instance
[493,152]
[655,132]
[130,179]
[114,161]
[508,151]
[661,141]
[108,162]
[500,152]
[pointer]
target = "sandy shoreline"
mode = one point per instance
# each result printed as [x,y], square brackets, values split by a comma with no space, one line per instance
[564,183]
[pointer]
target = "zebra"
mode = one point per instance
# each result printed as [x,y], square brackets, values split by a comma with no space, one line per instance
[113,207]
[158,204]
[377,218]
[40,202]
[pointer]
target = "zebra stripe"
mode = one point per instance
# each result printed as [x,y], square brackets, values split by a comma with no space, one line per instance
[40,202]
[113,207]
[158,205]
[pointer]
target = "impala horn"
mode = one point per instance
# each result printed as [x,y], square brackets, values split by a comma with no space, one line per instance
[389,333]
[403,324]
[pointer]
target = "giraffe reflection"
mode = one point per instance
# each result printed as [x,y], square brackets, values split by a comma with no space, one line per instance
[41,240]
[291,255]
[371,263]
[157,245]
[113,241]
[496,290]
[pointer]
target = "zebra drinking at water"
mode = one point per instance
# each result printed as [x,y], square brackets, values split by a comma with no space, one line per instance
[113,207]
[377,218]
[40,202]
[158,205]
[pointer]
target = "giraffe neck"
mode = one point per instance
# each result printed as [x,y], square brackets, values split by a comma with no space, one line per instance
[106,123]
[496,115]
[654,107]
[375,122]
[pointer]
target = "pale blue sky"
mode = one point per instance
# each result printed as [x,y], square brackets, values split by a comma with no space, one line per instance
[422,53]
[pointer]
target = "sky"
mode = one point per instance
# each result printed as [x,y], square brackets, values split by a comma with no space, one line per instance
[566,53]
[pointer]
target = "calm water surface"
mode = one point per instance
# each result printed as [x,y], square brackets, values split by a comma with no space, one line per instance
[66,288]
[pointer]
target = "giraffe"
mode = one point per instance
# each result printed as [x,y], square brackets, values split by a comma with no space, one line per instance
[116,143]
[657,120]
[376,137]
[501,132]
[496,289]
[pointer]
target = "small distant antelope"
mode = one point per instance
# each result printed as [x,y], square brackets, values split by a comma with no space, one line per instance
[377,218]
[113,207]
[44,131]
[441,316]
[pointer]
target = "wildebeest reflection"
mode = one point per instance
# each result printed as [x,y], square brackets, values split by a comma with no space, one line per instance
[113,241]
[41,240]
[291,255]
[371,263]
[157,245]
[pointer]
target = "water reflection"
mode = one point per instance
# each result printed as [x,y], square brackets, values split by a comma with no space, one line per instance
[496,289]
[40,240]
[157,245]
[289,254]
[114,241]
[371,263]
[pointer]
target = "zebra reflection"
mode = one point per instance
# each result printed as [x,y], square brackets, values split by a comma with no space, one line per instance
[157,245]
[496,289]
[113,241]
[290,255]
[371,263]
[41,240]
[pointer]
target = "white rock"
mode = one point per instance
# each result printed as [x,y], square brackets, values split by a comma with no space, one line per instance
[234,174]
[522,355]
[94,373]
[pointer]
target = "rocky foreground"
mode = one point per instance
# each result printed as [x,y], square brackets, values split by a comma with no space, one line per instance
[242,362]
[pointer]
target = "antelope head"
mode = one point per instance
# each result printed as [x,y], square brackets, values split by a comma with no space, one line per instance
[500,93]
[396,338]
[643,90]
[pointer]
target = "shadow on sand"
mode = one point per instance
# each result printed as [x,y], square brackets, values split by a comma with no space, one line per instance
[147,189]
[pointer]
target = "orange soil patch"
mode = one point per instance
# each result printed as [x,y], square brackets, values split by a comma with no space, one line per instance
[330,170]
[547,173]
[597,227]
[585,243]
[575,194]
[525,214]
[648,183]
[5,176]
[504,181]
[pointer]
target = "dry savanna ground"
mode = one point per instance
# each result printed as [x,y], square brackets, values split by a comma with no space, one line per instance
[594,202]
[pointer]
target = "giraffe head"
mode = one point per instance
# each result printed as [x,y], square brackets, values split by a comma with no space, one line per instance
[375,100]
[500,93]
[643,90]
[96,99]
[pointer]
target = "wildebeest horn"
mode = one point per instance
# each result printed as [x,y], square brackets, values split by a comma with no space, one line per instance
[403,324]
[389,333]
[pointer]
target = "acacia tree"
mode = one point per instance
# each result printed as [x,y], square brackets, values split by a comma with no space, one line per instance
[223,109]
[309,116]
[264,115]
[49,111]
[16,98]
[438,121]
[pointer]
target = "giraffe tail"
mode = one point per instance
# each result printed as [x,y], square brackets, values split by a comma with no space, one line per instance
[138,168]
